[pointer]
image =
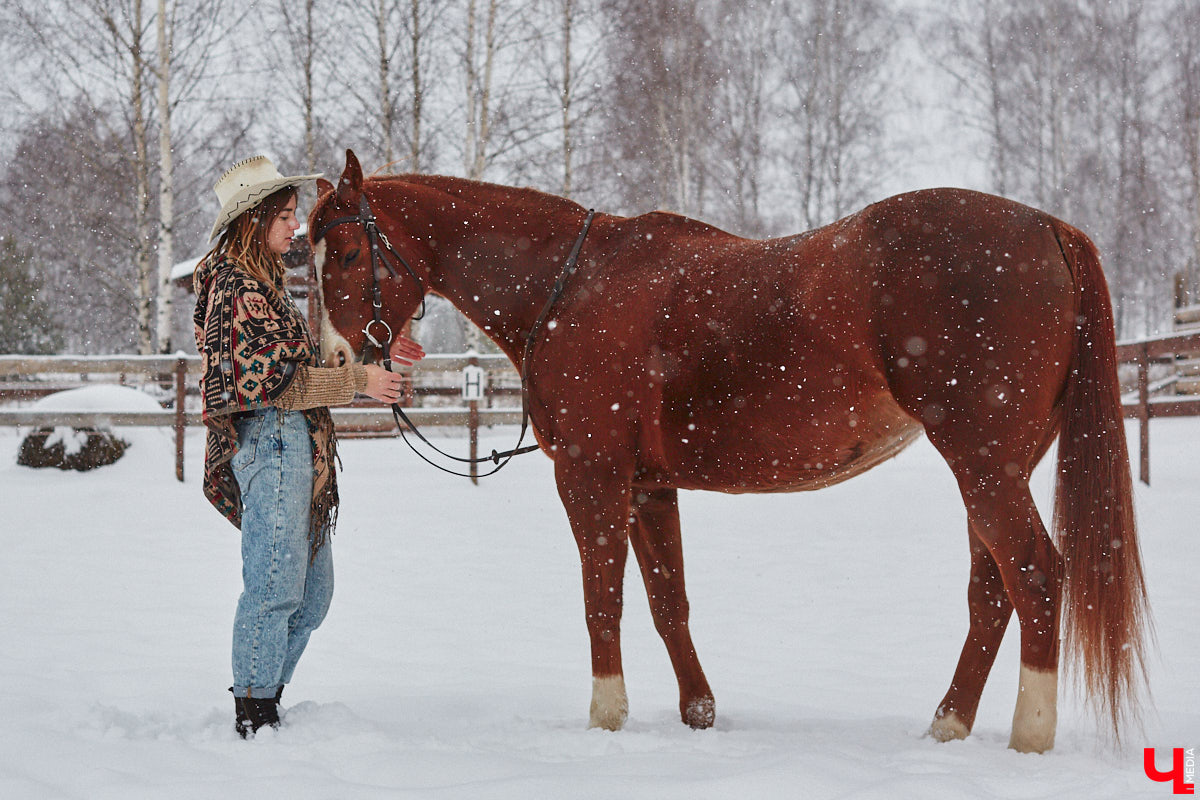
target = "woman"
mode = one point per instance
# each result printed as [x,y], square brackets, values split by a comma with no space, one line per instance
[269,460]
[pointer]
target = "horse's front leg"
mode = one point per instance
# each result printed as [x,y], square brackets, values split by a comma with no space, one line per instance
[596,498]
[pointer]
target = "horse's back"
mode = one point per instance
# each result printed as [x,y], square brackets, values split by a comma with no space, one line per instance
[797,362]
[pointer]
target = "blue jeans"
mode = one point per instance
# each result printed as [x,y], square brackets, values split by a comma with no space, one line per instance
[285,594]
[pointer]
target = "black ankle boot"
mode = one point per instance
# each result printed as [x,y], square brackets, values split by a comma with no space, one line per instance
[255,712]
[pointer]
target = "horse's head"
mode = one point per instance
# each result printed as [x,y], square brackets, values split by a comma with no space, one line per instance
[342,251]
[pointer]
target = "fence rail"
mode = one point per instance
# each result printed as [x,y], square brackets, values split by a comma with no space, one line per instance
[182,372]
[1143,404]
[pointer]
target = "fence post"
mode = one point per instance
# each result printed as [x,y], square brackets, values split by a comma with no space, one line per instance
[1143,412]
[473,428]
[180,420]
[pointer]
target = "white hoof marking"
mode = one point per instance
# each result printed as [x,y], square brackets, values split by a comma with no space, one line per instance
[610,706]
[1036,715]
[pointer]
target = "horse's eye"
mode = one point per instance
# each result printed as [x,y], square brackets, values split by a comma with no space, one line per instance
[353,254]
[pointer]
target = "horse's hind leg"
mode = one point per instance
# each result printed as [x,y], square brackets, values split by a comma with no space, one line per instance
[1002,515]
[990,610]
[656,543]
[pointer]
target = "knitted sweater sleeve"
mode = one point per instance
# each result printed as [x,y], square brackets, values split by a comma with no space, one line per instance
[312,387]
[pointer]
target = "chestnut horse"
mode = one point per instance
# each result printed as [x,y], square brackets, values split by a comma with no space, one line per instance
[683,357]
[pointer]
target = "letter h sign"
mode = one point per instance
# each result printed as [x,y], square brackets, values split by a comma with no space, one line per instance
[472,385]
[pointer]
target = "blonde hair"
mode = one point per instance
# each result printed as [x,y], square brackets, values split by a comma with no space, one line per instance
[244,241]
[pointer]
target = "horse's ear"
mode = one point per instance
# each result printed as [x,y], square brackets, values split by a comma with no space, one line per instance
[350,186]
[324,187]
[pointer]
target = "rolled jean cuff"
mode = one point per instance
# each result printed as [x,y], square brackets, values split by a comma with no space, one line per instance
[256,692]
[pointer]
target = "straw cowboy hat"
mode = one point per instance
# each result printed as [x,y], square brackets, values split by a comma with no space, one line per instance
[246,184]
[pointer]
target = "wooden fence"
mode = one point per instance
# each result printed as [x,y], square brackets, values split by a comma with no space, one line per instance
[1150,400]
[181,374]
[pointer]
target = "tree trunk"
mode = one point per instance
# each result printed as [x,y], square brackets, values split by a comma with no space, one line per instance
[387,113]
[567,23]
[998,107]
[166,187]
[141,170]
[484,98]
[472,80]
[418,94]
[310,144]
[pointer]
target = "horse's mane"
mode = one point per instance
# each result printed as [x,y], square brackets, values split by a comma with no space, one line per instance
[473,191]
[482,191]
[525,197]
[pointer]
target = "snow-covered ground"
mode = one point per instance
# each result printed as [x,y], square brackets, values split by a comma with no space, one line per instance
[454,663]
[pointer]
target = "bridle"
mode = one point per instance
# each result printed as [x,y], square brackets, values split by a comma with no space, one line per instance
[375,238]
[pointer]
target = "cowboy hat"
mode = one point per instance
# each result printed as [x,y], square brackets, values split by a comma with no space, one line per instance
[246,184]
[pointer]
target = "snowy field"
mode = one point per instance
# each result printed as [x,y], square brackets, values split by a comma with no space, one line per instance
[455,664]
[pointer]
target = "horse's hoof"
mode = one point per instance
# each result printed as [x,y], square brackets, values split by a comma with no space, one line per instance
[612,720]
[1040,743]
[700,713]
[949,727]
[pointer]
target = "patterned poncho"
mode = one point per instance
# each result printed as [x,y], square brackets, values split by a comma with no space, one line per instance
[251,337]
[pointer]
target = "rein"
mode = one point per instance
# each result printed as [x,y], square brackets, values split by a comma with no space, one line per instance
[366,218]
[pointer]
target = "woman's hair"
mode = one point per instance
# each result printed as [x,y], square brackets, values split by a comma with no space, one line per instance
[244,241]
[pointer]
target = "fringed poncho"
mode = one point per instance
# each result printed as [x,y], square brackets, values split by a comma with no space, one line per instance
[251,339]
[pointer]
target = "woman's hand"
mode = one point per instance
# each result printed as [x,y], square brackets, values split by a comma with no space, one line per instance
[382,385]
[405,351]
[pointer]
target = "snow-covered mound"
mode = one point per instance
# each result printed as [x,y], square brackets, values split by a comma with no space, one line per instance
[101,398]
[82,449]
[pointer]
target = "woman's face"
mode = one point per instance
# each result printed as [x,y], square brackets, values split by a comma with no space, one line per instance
[283,228]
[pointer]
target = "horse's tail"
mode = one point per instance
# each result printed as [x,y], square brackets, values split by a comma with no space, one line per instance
[1104,615]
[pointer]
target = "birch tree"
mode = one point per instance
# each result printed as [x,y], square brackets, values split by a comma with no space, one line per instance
[574,35]
[387,51]
[835,91]
[166,186]
[567,89]
[745,99]
[973,42]
[178,74]
[1070,90]
[478,86]
[1182,124]
[661,75]
[97,52]
[69,185]
[295,54]
[420,23]
[127,30]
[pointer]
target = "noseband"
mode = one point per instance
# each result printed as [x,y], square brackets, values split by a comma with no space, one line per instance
[366,218]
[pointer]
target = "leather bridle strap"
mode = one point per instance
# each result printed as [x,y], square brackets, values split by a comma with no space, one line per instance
[375,237]
[366,218]
[559,285]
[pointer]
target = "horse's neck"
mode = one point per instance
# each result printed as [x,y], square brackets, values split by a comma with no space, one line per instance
[500,273]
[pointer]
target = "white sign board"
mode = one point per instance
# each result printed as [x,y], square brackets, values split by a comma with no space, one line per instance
[472,383]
